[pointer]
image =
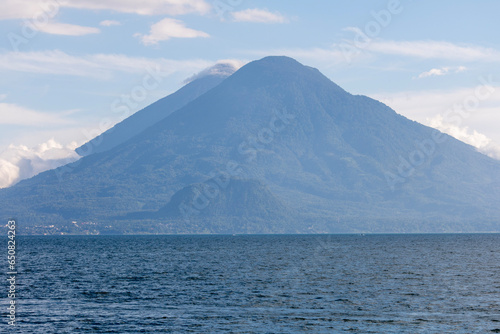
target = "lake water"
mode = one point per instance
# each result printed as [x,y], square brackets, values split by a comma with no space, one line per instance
[258,284]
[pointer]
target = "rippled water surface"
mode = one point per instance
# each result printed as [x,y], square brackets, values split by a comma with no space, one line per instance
[259,284]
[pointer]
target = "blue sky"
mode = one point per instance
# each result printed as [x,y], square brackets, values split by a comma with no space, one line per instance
[65,64]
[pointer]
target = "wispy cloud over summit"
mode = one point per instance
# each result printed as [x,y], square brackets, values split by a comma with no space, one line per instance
[223,68]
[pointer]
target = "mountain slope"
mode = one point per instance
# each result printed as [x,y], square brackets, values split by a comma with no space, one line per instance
[346,162]
[152,114]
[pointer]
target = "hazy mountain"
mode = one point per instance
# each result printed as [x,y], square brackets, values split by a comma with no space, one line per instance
[342,162]
[152,114]
[237,206]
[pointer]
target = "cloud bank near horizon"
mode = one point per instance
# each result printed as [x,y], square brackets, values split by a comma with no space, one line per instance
[22,162]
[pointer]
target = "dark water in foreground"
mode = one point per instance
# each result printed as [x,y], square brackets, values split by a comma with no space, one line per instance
[258,284]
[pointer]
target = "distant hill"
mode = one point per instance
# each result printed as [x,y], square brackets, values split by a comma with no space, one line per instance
[238,206]
[343,162]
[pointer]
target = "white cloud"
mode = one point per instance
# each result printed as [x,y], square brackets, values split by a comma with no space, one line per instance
[224,67]
[97,65]
[109,23]
[258,16]
[433,72]
[434,50]
[13,114]
[441,71]
[424,105]
[167,29]
[484,144]
[144,7]
[447,110]
[66,29]
[21,162]
[9,173]
[24,9]
[51,62]
[27,9]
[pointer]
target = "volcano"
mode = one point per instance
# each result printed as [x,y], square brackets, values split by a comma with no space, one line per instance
[276,147]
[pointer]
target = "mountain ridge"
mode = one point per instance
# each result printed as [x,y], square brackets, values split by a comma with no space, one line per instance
[155,112]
